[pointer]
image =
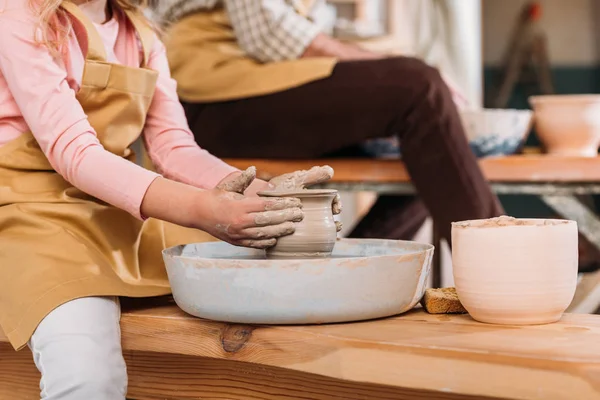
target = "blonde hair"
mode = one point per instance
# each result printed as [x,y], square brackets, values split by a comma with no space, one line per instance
[54,25]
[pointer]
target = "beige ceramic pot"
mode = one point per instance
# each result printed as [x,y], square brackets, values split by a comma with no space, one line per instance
[515,272]
[316,234]
[568,125]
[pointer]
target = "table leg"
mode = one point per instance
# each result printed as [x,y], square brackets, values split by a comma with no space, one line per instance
[587,297]
[436,267]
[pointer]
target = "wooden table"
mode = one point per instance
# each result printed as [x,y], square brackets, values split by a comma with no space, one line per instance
[415,356]
[557,181]
[511,169]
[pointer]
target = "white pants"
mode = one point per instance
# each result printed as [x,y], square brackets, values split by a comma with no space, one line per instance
[77,349]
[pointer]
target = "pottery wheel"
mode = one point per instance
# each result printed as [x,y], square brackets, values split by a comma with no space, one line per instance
[363,279]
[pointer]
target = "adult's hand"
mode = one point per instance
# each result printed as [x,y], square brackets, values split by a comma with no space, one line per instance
[327,46]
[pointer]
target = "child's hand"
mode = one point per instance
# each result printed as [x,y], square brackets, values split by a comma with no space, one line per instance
[238,182]
[248,221]
[297,180]
[302,179]
[227,215]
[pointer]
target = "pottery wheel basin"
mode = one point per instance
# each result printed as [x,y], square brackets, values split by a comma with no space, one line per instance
[363,279]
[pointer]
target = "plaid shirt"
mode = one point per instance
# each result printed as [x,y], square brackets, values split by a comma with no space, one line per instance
[267,30]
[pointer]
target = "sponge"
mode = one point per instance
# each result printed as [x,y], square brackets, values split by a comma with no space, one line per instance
[442,301]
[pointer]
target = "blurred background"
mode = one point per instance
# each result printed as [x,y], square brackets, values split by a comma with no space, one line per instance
[471,42]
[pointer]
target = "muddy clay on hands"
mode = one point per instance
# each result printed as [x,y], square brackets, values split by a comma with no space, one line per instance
[515,271]
[300,179]
[304,217]
[316,234]
[276,219]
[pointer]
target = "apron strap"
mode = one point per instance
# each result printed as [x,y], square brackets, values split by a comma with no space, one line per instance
[95,46]
[145,33]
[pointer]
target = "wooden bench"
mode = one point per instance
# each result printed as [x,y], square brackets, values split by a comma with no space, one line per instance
[557,181]
[171,355]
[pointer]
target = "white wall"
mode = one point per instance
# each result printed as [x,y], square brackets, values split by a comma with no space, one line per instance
[571,27]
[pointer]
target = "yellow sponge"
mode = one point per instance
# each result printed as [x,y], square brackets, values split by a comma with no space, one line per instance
[442,301]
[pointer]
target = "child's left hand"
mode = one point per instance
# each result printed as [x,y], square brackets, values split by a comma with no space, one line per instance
[299,180]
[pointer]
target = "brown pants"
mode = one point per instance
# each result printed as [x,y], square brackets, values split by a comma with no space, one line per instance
[363,100]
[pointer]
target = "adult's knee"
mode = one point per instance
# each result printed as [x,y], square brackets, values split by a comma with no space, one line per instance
[429,79]
[431,94]
[401,70]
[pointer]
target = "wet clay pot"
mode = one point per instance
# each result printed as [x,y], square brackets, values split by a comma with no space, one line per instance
[515,272]
[568,125]
[316,234]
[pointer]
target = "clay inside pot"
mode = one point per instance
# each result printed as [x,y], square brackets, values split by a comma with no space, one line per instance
[316,234]
[507,221]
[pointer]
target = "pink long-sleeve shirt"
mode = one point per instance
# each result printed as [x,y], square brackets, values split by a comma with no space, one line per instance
[37,94]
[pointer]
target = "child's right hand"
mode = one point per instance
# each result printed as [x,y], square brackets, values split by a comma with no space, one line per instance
[247,221]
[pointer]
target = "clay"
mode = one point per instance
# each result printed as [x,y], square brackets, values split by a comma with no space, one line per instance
[301,179]
[506,221]
[316,234]
[278,217]
[337,205]
[240,183]
[338,226]
[271,231]
[515,271]
[282,204]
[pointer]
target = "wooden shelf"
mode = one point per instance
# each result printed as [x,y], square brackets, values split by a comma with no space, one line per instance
[525,168]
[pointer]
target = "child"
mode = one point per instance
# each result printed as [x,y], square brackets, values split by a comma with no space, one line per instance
[79,81]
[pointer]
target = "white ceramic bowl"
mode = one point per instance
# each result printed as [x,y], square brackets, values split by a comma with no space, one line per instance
[516,272]
[494,132]
[364,279]
[568,125]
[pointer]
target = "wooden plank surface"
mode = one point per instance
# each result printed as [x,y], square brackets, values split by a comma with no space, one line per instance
[441,354]
[414,356]
[522,168]
[19,379]
[164,376]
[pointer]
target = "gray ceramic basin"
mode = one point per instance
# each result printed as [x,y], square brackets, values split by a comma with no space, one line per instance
[364,279]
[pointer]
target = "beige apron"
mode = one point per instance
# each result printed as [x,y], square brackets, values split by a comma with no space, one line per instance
[208,64]
[58,243]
